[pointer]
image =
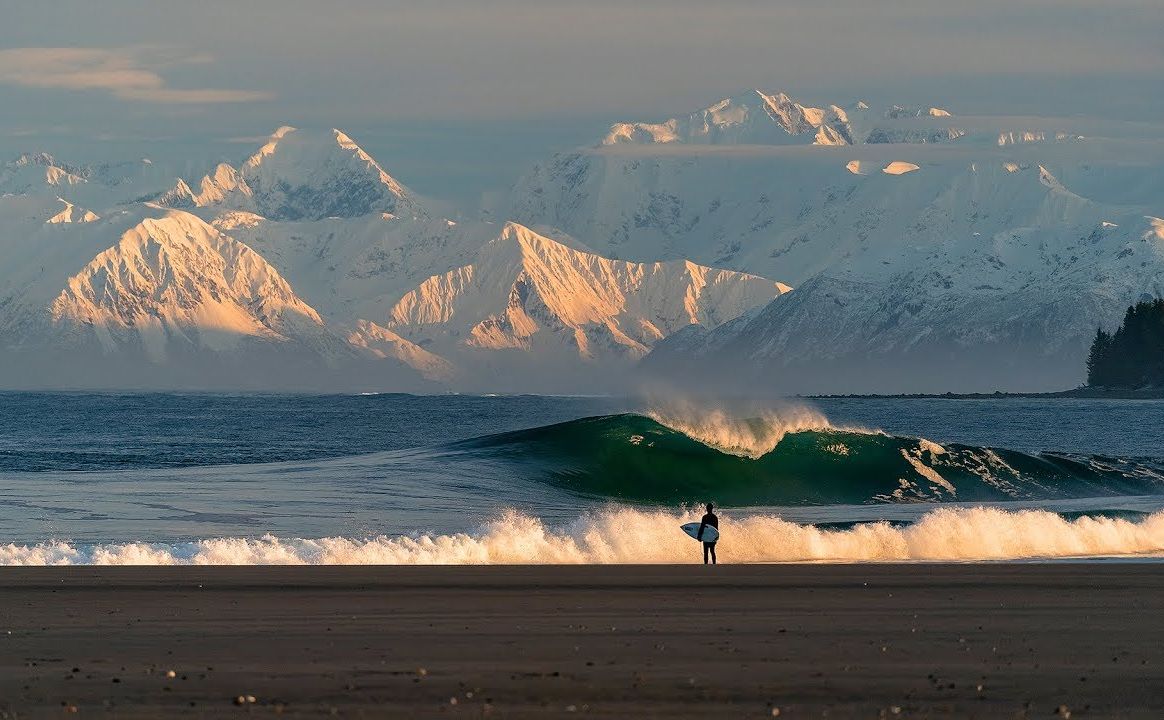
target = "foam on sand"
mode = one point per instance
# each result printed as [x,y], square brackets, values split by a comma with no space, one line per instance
[624,535]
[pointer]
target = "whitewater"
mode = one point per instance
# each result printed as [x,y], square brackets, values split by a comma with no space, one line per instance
[211,479]
[627,535]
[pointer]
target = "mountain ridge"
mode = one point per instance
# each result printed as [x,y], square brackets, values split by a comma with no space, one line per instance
[251,270]
[1008,246]
[522,286]
[755,117]
[922,246]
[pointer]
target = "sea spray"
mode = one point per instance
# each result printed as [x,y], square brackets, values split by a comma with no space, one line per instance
[749,433]
[738,427]
[627,535]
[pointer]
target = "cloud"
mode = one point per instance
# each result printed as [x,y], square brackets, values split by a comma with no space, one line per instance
[126,73]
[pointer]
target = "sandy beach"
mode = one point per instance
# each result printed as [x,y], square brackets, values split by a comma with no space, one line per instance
[985,641]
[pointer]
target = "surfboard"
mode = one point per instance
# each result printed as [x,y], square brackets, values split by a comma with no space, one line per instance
[710,534]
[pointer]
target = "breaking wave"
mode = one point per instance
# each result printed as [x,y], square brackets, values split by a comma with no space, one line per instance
[787,459]
[753,436]
[623,535]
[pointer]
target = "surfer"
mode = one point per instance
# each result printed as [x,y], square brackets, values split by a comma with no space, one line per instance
[712,520]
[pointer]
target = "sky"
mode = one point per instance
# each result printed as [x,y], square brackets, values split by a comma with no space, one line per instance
[460,96]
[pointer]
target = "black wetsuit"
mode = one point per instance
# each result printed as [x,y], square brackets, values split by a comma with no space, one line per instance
[708,547]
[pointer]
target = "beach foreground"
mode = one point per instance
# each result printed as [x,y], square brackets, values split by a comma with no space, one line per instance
[987,641]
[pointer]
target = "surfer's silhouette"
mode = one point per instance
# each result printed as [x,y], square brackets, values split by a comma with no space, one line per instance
[712,520]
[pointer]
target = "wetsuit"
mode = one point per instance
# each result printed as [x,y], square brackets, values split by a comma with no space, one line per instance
[708,547]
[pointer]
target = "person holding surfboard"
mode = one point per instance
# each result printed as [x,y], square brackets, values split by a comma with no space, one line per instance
[705,531]
[709,520]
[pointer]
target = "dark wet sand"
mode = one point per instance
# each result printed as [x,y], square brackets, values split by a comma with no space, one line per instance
[985,641]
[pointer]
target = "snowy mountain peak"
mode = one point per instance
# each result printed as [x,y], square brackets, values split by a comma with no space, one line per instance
[173,279]
[306,174]
[345,142]
[282,131]
[524,291]
[179,196]
[30,172]
[301,175]
[750,117]
[222,184]
[755,117]
[269,147]
[70,213]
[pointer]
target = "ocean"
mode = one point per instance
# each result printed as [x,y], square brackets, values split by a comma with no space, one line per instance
[176,478]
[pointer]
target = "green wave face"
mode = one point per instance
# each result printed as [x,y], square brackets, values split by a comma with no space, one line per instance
[634,458]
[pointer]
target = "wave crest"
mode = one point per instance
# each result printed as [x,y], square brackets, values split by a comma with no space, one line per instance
[752,435]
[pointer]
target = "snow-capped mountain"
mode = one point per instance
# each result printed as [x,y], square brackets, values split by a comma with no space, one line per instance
[759,118]
[217,188]
[33,172]
[1001,249]
[747,187]
[309,266]
[70,213]
[524,294]
[301,175]
[174,279]
[92,187]
[157,297]
[928,252]
[167,283]
[475,303]
[357,267]
[1016,313]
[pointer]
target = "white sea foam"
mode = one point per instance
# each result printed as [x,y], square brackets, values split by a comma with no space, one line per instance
[622,535]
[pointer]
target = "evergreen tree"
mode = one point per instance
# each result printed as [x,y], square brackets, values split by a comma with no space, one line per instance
[1132,356]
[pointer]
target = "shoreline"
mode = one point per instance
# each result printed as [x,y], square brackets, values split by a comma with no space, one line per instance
[1083,393]
[949,640]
